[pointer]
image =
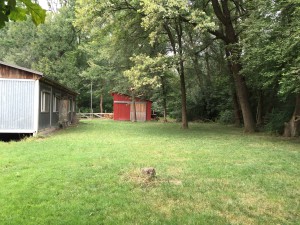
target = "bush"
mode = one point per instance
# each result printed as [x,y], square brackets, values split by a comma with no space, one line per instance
[226,117]
[276,120]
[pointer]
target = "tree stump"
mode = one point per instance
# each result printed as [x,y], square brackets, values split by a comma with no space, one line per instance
[149,171]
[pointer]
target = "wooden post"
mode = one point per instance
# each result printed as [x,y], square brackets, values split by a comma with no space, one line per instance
[91,99]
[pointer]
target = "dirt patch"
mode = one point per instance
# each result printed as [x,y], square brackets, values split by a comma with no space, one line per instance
[137,177]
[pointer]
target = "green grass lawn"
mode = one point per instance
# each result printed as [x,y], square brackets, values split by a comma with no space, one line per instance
[209,174]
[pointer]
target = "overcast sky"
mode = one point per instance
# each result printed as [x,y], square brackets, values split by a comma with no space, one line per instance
[43,4]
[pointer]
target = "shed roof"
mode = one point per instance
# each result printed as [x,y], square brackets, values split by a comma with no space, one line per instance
[21,68]
[128,96]
[58,85]
[42,77]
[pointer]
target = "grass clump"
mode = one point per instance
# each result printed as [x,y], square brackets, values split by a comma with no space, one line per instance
[91,174]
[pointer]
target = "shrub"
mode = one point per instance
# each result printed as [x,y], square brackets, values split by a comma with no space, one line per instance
[226,117]
[276,119]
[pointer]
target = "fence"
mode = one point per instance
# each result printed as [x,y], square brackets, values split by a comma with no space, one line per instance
[95,115]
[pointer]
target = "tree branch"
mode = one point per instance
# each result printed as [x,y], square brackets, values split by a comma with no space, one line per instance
[240,8]
[171,38]
[219,35]
[218,11]
[206,46]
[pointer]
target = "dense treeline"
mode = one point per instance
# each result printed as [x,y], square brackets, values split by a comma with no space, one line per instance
[233,61]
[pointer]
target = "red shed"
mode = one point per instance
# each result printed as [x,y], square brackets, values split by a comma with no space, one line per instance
[123,109]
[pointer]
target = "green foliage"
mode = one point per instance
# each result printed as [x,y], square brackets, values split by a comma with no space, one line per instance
[147,71]
[37,13]
[50,48]
[56,49]
[276,120]
[226,117]
[273,27]
[110,47]
[161,13]
[16,10]
[279,115]
[118,44]
[16,43]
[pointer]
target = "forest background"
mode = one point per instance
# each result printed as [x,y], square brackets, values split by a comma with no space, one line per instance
[231,61]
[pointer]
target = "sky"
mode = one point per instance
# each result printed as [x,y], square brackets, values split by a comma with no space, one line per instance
[43,4]
[54,4]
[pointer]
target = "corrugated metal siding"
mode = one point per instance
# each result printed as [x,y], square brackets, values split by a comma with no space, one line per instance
[16,104]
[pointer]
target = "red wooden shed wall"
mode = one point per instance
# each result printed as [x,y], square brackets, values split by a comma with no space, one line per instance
[122,111]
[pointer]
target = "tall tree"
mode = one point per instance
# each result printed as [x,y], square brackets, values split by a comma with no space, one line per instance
[51,48]
[270,55]
[16,43]
[168,21]
[56,48]
[228,14]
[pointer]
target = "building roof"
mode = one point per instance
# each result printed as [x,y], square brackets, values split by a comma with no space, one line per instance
[136,97]
[42,77]
[22,68]
[58,85]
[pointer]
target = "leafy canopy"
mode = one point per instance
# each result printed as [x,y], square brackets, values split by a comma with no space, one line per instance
[16,10]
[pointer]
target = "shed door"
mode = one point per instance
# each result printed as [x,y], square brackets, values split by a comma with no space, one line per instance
[140,111]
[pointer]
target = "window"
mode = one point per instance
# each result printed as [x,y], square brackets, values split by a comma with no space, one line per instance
[55,103]
[70,105]
[73,106]
[45,101]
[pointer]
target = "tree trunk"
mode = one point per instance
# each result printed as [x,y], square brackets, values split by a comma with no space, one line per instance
[101,103]
[164,96]
[235,101]
[182,78]
[180,67]
[230,37]
[259,110]
[292,128]
[195,60]
[242,93]
[236,109]
[133,108]
[183,97]
[208,70]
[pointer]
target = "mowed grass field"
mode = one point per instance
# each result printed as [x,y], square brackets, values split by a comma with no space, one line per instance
[208,174]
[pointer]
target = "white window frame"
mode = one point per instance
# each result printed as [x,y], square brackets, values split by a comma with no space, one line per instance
[56,101]
[73,106]
[45,101]
[70,105]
